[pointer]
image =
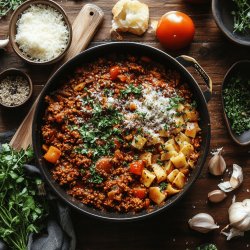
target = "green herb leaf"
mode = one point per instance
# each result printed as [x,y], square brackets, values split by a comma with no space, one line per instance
[131,89]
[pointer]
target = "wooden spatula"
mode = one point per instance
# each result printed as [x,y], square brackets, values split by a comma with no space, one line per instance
[84,28]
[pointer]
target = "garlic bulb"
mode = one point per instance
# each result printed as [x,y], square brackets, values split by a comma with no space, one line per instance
[4,43]
[203,223]
[235,180]
[217,164]
[216,196]
[239,217]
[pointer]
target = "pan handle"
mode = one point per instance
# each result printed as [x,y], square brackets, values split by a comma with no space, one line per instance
[190,61]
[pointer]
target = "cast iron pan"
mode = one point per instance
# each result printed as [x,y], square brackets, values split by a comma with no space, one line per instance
[138,49]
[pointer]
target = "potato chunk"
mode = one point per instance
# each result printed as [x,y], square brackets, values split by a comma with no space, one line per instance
[179,160]
[156,195]
[139,142]
[187,149]
[159,172]
[179,180]
[171,190]
[192,129]
[165,156]
[180,138]
[147,177]
[191,115]
[147,157]
[172,175]
[168,167]
[164,133]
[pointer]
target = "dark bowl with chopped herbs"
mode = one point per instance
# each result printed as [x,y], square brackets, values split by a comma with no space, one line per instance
[236,102]
[233,19]
[15,88]
[122,131]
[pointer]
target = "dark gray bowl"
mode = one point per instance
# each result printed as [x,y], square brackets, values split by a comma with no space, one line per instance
[241,67]
[224,19]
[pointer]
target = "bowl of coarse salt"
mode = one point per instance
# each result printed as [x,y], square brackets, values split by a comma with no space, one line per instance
[40,32]
[15,88]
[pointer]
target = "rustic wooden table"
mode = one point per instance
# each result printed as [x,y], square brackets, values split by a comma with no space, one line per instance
[168,230]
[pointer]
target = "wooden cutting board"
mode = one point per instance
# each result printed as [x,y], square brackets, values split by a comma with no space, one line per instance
[84,27]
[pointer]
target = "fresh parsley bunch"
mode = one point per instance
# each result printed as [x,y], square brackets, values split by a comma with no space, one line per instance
[7,5]
[21,208]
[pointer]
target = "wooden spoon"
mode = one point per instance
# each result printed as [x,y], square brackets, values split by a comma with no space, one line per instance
[84,28]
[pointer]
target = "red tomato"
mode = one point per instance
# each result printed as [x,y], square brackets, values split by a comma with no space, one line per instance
[175,30]
[136,167]
[104,164]
[139,192]
[114,72]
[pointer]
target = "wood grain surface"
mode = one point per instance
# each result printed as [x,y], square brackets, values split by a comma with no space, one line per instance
[168,230]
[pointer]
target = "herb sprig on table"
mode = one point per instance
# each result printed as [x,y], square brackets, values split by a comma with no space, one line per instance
[241,16]
[21,208]
[237,103]
[7,5]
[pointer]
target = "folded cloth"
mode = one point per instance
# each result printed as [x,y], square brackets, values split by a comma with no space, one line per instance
[60,233]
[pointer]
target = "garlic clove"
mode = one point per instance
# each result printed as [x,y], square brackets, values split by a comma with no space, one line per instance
[203,223]
[233,233]
[216,196]
[225,186]
[237,176]
[4,43]
[217,164]
[235,180]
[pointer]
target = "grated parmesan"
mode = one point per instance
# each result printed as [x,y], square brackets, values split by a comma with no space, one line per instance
[153,105]
[42,34]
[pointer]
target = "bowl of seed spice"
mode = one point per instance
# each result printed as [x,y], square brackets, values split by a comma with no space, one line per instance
[15,88]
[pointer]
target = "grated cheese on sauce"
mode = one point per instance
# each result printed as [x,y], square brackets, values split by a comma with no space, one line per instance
[42,34]
[153,106]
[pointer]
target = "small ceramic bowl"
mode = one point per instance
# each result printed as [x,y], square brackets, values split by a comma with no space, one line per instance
[13,29]
[222,12]
[242,68]
[14,73]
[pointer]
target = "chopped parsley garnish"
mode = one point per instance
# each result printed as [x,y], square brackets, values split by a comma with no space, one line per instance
[159,162]
[163,185]
[108,92]
[166,127]
[95,177]
[131,89]
[174,102]
[98,133]
[141,114]
[237,103]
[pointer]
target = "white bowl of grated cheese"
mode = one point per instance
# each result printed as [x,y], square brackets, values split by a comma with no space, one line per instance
[40,32]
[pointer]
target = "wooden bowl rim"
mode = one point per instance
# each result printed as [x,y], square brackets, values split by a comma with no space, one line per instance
[14,71]
[222,100]
[15,17]
[223,28]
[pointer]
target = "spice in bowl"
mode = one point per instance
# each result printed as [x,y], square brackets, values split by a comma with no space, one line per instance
[236,97]
[14,90]
[42,34]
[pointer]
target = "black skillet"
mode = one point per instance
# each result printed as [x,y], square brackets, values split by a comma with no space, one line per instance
[138,49]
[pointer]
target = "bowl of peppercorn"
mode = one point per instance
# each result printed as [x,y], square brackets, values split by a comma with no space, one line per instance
[15,88]
[236,102]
